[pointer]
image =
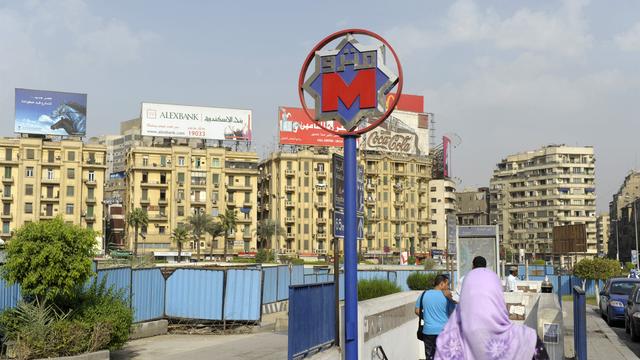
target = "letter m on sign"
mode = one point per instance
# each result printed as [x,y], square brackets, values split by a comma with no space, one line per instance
[363,85]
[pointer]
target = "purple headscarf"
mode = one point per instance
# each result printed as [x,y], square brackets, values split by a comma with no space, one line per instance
[480,328]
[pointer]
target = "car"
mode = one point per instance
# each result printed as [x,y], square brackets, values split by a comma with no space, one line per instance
[632,314]
[613,298]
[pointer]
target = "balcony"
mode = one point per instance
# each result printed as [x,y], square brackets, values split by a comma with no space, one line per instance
[289,173]
[290,236]
[397,188]
[154,184]
[52,180]
[321,221]
[144,201]
[243,220]
[398,219]
[163,201]
[158,217]
[46,198]
[321,205]
[46,216]
[90,218]
[320,236]
[91,200]
[7,197]
[374,218]
[321,188]
[7,180]
[370,203]
[289,220]
[231,204]
[289,188]
[247,204]
[289,204]
[247,236]
[90,183]
[198,201]
[422,189]
[370,187]
[8,216]
[321,174]
[239,187]
[398,203]
[198,184]
[370,235]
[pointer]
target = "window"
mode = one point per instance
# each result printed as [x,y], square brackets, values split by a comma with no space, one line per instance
[71,173]
[50,174]
[163,160]
[7,172]
[5,227]
[69,209]
[90,211]
[180,210]
[181,160]
[92,176]
[247,181]
[160,229]
[306,228]
[247,198]
[215,179]
[181,178]
[70,190]
[6,209]
[434,221]
[306,197]
[7,190]
[28,189]
[434,200]
[145,194]
[30,154]
[8,154]
[90,193]
[434,234]
[28,208]
[71,155]
[145,161]
[215,163]
[433,188]
[29,171]
[434,211]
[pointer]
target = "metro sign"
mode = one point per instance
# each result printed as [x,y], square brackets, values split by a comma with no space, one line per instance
[350,83]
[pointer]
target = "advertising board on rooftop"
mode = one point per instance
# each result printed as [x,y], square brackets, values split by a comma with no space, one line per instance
[50,112]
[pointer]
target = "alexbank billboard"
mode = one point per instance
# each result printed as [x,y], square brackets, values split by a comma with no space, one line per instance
[165,120]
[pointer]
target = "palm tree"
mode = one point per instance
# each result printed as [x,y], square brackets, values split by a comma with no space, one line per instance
[228,221]
[267,228]
[215,230]
[180,235]
[199,223]
[137,218]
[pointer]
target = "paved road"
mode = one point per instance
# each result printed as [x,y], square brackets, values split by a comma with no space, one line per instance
[618,328]
[267,346]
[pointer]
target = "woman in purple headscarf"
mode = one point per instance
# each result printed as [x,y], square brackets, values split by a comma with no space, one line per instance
[480,329]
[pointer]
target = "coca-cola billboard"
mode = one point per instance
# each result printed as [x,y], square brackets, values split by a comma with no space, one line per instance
[388,141]
[404,133]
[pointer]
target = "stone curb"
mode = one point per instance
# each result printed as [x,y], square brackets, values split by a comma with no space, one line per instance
[98,355]
[606,330]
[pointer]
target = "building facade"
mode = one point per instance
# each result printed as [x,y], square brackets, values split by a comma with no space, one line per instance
[442,203]
[531,192]
[42,179]
[622,220]
[173,182]
[473,206]
[602,233]
[296,192]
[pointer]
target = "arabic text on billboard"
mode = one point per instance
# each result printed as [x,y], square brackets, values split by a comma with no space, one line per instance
[297,129]
[185,121]
[50,112]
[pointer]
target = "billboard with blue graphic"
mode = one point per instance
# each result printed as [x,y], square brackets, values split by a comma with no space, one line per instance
[50,112]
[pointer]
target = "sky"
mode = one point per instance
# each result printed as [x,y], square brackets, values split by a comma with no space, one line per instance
[504,76]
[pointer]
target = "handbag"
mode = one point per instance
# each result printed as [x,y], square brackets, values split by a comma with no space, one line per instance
[420,334]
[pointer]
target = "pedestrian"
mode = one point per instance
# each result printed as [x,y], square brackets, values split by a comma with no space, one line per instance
[478,262]
[512,279]
[633,274]
[481,329]
[432,307]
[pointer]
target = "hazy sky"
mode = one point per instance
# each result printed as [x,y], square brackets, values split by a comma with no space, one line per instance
[504,76]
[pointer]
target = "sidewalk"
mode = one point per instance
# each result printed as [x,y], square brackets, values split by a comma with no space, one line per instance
[602,342]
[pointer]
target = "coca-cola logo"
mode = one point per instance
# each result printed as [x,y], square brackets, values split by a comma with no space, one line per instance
[390,141]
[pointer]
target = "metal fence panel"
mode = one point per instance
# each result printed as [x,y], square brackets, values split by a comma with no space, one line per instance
[242,295]
[118,278]
[147,294]
[284,280]
[270,285]
[310,279]
[9,295]
[341,289]
[310,330]
[195,294]
[297,275]
[579,323]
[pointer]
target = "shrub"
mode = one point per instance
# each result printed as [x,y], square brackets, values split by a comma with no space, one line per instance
[429,264]
[264,256]
[539,262]
[369,289]
[419,281]
[629,266]
[411,260]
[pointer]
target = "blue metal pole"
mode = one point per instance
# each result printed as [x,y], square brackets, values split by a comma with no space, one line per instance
[350,249]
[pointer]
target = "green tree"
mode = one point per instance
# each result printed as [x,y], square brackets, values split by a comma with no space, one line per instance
[228,221]
[137,218]
[180,235]
[215,230]
[199,223]
[50,259]
[266,229]
[596,269]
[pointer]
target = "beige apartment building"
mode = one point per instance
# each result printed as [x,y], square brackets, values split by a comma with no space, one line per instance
[442,202]
[172,182]
[296,191]
[622,219]
[473,206]
[602,233]
[42,179]
[533,191]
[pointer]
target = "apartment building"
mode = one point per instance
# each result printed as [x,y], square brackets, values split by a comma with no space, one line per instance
[622,219]
[43,179]
[473,206]
[173,182]
[533,191]
[442,202]
[296,191]
[602,233]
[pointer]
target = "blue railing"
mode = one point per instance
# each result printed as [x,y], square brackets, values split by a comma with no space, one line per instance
[311,331]
[579,323]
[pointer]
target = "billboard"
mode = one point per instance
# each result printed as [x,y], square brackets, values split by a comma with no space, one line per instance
[408,102]
[198,122]
[472,241]
[403,132]
[570,239]
[50,112]
[296,129]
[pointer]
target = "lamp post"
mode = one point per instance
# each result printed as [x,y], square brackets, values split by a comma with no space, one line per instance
[635,227]
[617,246]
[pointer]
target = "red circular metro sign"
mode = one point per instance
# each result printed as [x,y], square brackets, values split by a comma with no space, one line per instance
[350,83]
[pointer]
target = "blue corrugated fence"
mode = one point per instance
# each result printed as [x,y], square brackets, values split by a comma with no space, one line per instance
[242,295]
[310,330]
[147,294]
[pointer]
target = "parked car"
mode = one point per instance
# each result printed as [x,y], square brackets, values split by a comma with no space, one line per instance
[632,314]
[613,298]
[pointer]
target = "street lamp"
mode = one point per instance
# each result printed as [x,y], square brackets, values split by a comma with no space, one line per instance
[635,227]
[617,248]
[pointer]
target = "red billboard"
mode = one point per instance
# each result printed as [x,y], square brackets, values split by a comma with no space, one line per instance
[297,129]
[412,103]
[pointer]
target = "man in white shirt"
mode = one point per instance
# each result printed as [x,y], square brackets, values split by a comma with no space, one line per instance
[478,262]
[512,279]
